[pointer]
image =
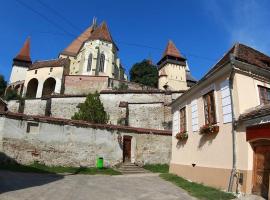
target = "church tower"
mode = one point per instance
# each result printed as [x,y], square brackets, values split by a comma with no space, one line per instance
[172,70]
[21,63]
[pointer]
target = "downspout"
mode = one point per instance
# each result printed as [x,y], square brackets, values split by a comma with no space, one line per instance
[234,170]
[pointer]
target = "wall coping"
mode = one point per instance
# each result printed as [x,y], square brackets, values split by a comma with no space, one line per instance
[80,123]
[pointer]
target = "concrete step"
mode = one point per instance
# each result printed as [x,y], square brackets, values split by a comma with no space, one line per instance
[130,168]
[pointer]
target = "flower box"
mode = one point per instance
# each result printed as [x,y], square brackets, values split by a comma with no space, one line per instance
[209,129]
[181,136]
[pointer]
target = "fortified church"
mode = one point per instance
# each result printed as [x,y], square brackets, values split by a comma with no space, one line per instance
[90,63]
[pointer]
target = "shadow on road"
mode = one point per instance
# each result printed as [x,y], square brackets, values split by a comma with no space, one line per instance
[11,180]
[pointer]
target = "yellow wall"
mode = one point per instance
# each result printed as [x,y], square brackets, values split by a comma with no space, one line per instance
[175,79]
[215,152]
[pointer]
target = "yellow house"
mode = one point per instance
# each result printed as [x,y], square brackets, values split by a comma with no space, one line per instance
[211,143]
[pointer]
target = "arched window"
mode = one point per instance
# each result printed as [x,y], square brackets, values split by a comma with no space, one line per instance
[101,62]
[89,64]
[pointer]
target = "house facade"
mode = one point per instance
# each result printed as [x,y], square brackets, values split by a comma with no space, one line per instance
[210,143]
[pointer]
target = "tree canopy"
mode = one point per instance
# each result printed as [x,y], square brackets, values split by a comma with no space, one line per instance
[92,110]
[3,85]
[144,73]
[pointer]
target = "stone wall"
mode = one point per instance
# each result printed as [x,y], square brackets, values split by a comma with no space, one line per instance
[61,143]
[35,107]
[13,105]
[82,84]
[145,109]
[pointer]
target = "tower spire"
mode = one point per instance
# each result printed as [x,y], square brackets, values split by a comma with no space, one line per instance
[24,54]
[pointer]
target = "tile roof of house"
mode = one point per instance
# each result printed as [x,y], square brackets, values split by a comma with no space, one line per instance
[81,123]
[50,63]
[259,111]
[241,53]
[245,54]
[24,54]
[171,50]
[76,44]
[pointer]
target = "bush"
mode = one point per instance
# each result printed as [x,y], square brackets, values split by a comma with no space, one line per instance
[92,110]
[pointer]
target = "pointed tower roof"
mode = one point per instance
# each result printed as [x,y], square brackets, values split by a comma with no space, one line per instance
[24,54]
[171,50]
[171,55]
[102,33]
[75,45]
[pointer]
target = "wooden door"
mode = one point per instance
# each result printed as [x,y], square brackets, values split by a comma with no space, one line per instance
[261,171]
[127,148]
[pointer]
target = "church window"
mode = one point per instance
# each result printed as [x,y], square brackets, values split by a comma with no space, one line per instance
[101,62]
[89,64]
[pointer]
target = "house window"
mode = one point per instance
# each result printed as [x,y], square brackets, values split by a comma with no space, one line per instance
[89,64]
[209,108]
[183,124]
[101,62]
[264,95]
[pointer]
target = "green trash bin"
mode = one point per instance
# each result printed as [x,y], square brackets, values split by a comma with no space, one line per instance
[99,162]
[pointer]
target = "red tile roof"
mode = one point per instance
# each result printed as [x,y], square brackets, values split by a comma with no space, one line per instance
[74,47]
[256,112]
[50,63]
[171,50]
[24,54]
[92,33]
[81,123]
[102,33]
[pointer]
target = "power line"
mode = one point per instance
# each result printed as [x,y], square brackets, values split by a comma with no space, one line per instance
[71,34]
[59,15]
[44,17]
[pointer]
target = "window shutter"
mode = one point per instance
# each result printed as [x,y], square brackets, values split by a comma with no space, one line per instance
[194,115]
[175,122]
[226,102]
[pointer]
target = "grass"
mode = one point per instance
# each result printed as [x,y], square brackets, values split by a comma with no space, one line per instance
[157,168]
[197,190]
[40,168]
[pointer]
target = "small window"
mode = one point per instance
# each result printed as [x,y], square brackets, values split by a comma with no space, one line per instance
[209,108]
[32,128]
[35,71]
[51,69]
[264,95]
[183,124]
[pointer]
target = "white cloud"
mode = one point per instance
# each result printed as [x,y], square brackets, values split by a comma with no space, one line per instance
[245,21]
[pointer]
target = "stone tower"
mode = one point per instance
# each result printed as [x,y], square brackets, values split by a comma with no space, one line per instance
[172,70]
[21,63]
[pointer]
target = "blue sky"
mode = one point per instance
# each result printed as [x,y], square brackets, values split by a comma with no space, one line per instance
[203,30]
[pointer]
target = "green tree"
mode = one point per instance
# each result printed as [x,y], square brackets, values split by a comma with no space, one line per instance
[92,110]
[3,85]
[11,94]
[144,73]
